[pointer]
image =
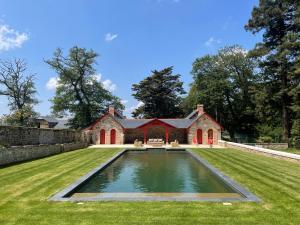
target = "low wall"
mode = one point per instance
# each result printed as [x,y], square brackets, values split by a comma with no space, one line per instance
[25,153]
[264,151]
[15,136]
[273,146]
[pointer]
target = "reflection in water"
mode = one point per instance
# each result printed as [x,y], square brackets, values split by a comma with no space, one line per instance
[155,171]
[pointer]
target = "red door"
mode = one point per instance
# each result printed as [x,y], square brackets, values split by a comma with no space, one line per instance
[113,136]
[210,135]
[199,136]
[102,136]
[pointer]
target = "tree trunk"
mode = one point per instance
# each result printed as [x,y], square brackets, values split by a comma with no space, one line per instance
[285,112]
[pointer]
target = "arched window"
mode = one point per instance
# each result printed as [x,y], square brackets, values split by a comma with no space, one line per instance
[210,136]
[113,136]
[199,136]
[102,136]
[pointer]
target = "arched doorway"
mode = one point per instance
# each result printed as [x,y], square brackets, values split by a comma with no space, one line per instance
[113,136]
[199,136]
[102,136]
[210,136]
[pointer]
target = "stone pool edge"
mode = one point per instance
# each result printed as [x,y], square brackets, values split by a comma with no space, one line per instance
[230,182]
[60,196]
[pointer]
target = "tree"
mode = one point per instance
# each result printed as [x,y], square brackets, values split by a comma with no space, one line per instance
[278,52]
[79,93]
[161,94]
[224,84]
[20,91]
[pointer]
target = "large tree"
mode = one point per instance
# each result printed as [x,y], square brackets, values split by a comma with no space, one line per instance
[224,84]
[79,93]
[160,94]
[20,91]
[279,21]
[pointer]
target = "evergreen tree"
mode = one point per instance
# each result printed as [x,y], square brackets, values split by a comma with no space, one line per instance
[161,94]
[279,21]
[79,94]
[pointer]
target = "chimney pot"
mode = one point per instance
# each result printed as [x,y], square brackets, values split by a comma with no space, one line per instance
[111,110]
[200,109]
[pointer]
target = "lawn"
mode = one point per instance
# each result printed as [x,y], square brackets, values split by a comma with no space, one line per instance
[292,150]
[25,188]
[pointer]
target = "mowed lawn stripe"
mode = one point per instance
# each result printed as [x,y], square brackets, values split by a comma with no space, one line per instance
[84,161]
[260,177]
[39,165]
[279,206]
[286,179]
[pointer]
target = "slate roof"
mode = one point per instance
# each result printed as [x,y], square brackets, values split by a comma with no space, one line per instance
[132,123]
[135,123]
[49,119]
[62,124]
[178,123]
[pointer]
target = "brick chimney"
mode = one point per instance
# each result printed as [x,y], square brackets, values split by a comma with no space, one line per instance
[200,109]
[111,110]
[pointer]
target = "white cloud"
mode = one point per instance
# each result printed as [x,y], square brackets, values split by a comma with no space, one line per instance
[10,38]
[123,101]
[109,85]
[110,37]
[128,110]
[52,83]
[211,42]
[134,107]
[97,77]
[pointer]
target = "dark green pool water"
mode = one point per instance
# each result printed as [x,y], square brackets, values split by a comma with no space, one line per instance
[155,171]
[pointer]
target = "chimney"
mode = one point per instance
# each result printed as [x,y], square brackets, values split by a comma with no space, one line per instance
[200,109]
[111,110]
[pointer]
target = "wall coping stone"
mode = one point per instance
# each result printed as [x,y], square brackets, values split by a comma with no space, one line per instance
[260,149]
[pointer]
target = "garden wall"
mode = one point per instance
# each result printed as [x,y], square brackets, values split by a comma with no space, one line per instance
[25,153]
[15,136]
[260,150]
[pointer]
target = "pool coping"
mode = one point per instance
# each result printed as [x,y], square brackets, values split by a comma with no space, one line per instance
[247,196]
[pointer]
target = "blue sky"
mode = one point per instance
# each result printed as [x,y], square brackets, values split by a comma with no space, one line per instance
[131,37]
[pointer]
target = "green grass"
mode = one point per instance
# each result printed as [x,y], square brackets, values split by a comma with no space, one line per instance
[291,150]
[25,188]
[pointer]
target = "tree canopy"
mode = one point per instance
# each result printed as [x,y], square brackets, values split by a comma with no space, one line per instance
[20,91]
[79,94]
[279,21]
[161,94]
[224,83]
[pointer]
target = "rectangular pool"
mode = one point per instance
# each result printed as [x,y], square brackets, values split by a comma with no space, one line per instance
[155,175]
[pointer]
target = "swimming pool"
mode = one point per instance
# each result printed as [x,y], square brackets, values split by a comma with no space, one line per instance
[155,175]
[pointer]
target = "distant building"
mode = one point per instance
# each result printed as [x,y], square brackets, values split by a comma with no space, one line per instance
[50,122]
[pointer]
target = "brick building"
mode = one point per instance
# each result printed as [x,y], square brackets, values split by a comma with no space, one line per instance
[113,128]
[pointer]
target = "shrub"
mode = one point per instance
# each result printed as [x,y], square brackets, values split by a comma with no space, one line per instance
[265,139]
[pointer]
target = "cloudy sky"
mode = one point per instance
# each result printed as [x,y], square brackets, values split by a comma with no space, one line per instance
[131,37]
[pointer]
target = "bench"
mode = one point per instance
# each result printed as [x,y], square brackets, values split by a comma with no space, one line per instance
[156,142]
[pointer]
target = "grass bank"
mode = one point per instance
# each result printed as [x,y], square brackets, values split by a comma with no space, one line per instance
[25,188]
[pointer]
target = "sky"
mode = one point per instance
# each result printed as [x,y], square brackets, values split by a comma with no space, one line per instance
[132,37]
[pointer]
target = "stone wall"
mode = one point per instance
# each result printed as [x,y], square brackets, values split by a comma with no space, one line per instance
[14,136]
[25,153]
[107,123]
[274,146]
[259,150]
[204,123]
